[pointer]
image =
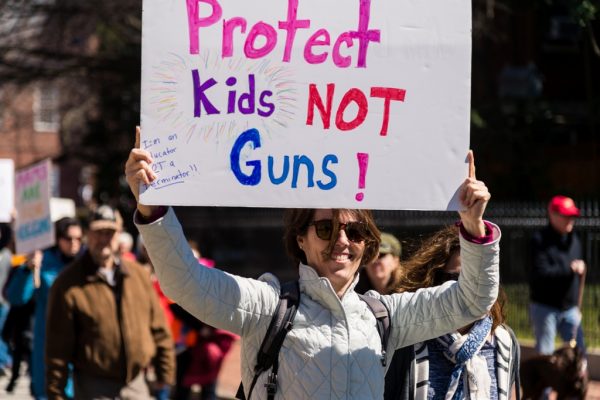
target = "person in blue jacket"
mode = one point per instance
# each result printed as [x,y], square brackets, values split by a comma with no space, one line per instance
[5,257]
[22,288]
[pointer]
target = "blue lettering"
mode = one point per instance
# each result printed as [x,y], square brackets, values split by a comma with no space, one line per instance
[329,158]
[34,228]
[150,143]
[310,169]
[284,174]
[164,153]
[277,176]
[251,136]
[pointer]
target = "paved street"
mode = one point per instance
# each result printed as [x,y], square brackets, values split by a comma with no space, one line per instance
[21,391]
[229,379]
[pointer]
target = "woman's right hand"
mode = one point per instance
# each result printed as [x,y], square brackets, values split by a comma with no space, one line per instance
[137,171]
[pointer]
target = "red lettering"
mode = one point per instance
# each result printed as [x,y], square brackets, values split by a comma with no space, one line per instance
[314,99]
[388,94]
[354,95]
[357,96]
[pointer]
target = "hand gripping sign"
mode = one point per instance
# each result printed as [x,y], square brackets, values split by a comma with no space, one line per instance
[306,103]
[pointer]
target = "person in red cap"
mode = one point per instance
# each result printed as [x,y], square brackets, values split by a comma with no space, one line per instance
[555,278]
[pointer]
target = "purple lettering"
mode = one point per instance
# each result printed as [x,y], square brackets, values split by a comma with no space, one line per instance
[199,96]
[248,97]
[364,34]
[269,106]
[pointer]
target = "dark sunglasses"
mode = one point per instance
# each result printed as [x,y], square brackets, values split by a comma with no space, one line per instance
[71,238]
[355,231]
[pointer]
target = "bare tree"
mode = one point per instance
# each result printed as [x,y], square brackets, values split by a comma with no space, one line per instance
[91,51]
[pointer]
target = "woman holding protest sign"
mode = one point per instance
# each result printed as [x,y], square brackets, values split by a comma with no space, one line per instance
[334,349]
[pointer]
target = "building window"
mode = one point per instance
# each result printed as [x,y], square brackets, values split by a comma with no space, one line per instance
[45,108]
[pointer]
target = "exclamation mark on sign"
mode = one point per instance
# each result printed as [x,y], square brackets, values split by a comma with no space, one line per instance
[363,164]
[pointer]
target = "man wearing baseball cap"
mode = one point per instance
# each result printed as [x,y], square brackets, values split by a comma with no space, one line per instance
[104,318]
[556,277]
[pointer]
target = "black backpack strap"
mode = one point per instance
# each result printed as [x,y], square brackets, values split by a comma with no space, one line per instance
[516,362]
[382,315]
[281,324]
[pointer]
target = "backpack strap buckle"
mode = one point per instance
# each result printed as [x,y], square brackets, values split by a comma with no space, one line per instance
[271,385]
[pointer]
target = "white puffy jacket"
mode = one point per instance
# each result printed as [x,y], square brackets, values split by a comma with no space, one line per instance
[333,350]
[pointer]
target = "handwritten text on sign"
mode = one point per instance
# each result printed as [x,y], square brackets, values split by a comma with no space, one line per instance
[306,103]
[34,229]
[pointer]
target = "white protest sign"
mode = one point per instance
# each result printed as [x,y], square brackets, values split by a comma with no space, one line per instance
[34,229]
[61,208]
[306,103]
[7,194]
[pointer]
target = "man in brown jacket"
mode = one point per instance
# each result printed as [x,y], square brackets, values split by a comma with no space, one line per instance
[104,318]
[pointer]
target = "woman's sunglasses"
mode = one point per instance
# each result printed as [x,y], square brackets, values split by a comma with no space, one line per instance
[355,231]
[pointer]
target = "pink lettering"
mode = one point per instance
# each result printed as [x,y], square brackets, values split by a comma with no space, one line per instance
[260,29]
[195,22]
[338,59]
[313,41]
[290,26]
[364,34]
[255,48]
[228,27]
[34,174]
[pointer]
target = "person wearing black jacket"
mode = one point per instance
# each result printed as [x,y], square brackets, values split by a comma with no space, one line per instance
[556,278]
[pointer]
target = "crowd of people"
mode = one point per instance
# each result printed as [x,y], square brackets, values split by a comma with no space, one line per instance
[104,315]
[87,319]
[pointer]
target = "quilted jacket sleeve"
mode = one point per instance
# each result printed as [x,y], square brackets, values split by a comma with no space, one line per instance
[217,298]
[432,312]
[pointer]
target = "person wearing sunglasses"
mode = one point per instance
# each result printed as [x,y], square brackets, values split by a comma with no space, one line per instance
[333,349]
[485,351]
[23,288]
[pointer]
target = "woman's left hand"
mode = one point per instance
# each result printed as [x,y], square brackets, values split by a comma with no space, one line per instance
[474,196]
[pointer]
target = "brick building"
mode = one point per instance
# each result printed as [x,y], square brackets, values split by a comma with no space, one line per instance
[34,120]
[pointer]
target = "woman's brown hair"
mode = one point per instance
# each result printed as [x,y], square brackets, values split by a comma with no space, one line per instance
[425,269]
[297,220]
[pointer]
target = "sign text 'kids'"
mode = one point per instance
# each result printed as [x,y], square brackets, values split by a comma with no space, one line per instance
[306,103]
